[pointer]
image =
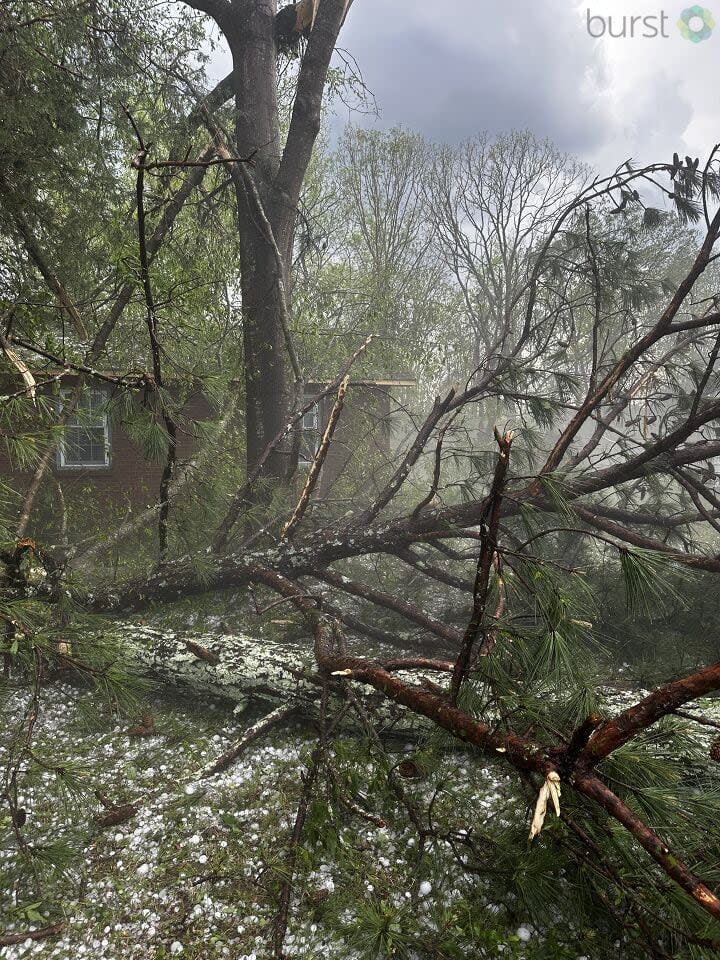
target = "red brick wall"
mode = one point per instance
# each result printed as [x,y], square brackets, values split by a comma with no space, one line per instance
[99,496]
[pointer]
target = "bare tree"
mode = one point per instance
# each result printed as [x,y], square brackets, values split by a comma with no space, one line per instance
[493,204]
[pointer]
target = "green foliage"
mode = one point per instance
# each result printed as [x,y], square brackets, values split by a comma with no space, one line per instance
[647,584]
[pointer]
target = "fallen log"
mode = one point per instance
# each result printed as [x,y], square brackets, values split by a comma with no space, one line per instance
[233,667]
[245,670]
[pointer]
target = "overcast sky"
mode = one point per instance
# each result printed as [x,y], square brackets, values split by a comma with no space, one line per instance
[457,67]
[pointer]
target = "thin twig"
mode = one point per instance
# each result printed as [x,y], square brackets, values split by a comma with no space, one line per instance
[152,326]
[42,933]
[250,736]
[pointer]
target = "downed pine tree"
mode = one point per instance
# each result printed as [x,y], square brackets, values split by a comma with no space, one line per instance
[242,668]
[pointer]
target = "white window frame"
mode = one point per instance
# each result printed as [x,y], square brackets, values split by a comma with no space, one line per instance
[101,421]
[308,427]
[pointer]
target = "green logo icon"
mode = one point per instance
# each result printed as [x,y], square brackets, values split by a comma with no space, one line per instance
[696,24]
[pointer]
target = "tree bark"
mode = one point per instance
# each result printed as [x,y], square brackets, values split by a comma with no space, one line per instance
[235,667]
[277,175]
[257,132]
[245,670]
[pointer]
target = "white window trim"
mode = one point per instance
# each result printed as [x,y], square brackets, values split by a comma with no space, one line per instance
[314,427]
[61,462]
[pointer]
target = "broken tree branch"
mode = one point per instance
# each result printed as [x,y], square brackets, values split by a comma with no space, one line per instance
[318,461]
[241,497]
[489,525]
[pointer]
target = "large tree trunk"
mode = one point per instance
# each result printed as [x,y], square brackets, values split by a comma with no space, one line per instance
[235,667]
[267,198]
[267,396]
[257,132]
[247,672]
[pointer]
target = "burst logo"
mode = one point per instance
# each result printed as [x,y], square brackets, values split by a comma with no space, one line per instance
[696,24]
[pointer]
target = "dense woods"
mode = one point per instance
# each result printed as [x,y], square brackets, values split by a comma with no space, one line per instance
[399,452]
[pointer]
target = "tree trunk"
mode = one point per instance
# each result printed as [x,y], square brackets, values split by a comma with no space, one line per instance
[257,132]
[245,671]
[235,667]
[267,395]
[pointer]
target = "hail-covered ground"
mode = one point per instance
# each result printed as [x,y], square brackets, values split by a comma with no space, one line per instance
[196,871]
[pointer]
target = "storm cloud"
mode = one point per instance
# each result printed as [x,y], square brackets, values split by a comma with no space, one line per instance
[452,70]
[464,66]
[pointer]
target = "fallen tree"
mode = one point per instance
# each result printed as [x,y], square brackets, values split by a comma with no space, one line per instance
[279,676]
[242,669]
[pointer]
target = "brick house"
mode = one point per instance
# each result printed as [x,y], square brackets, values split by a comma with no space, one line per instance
[98,469]
[103,474]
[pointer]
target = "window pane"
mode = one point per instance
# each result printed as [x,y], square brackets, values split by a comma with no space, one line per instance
[86,437]
[84,445]
[90,410]
[310,438]
[310,419]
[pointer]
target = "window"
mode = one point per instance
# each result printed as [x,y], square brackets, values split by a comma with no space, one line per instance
[310,437]
[86,436]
